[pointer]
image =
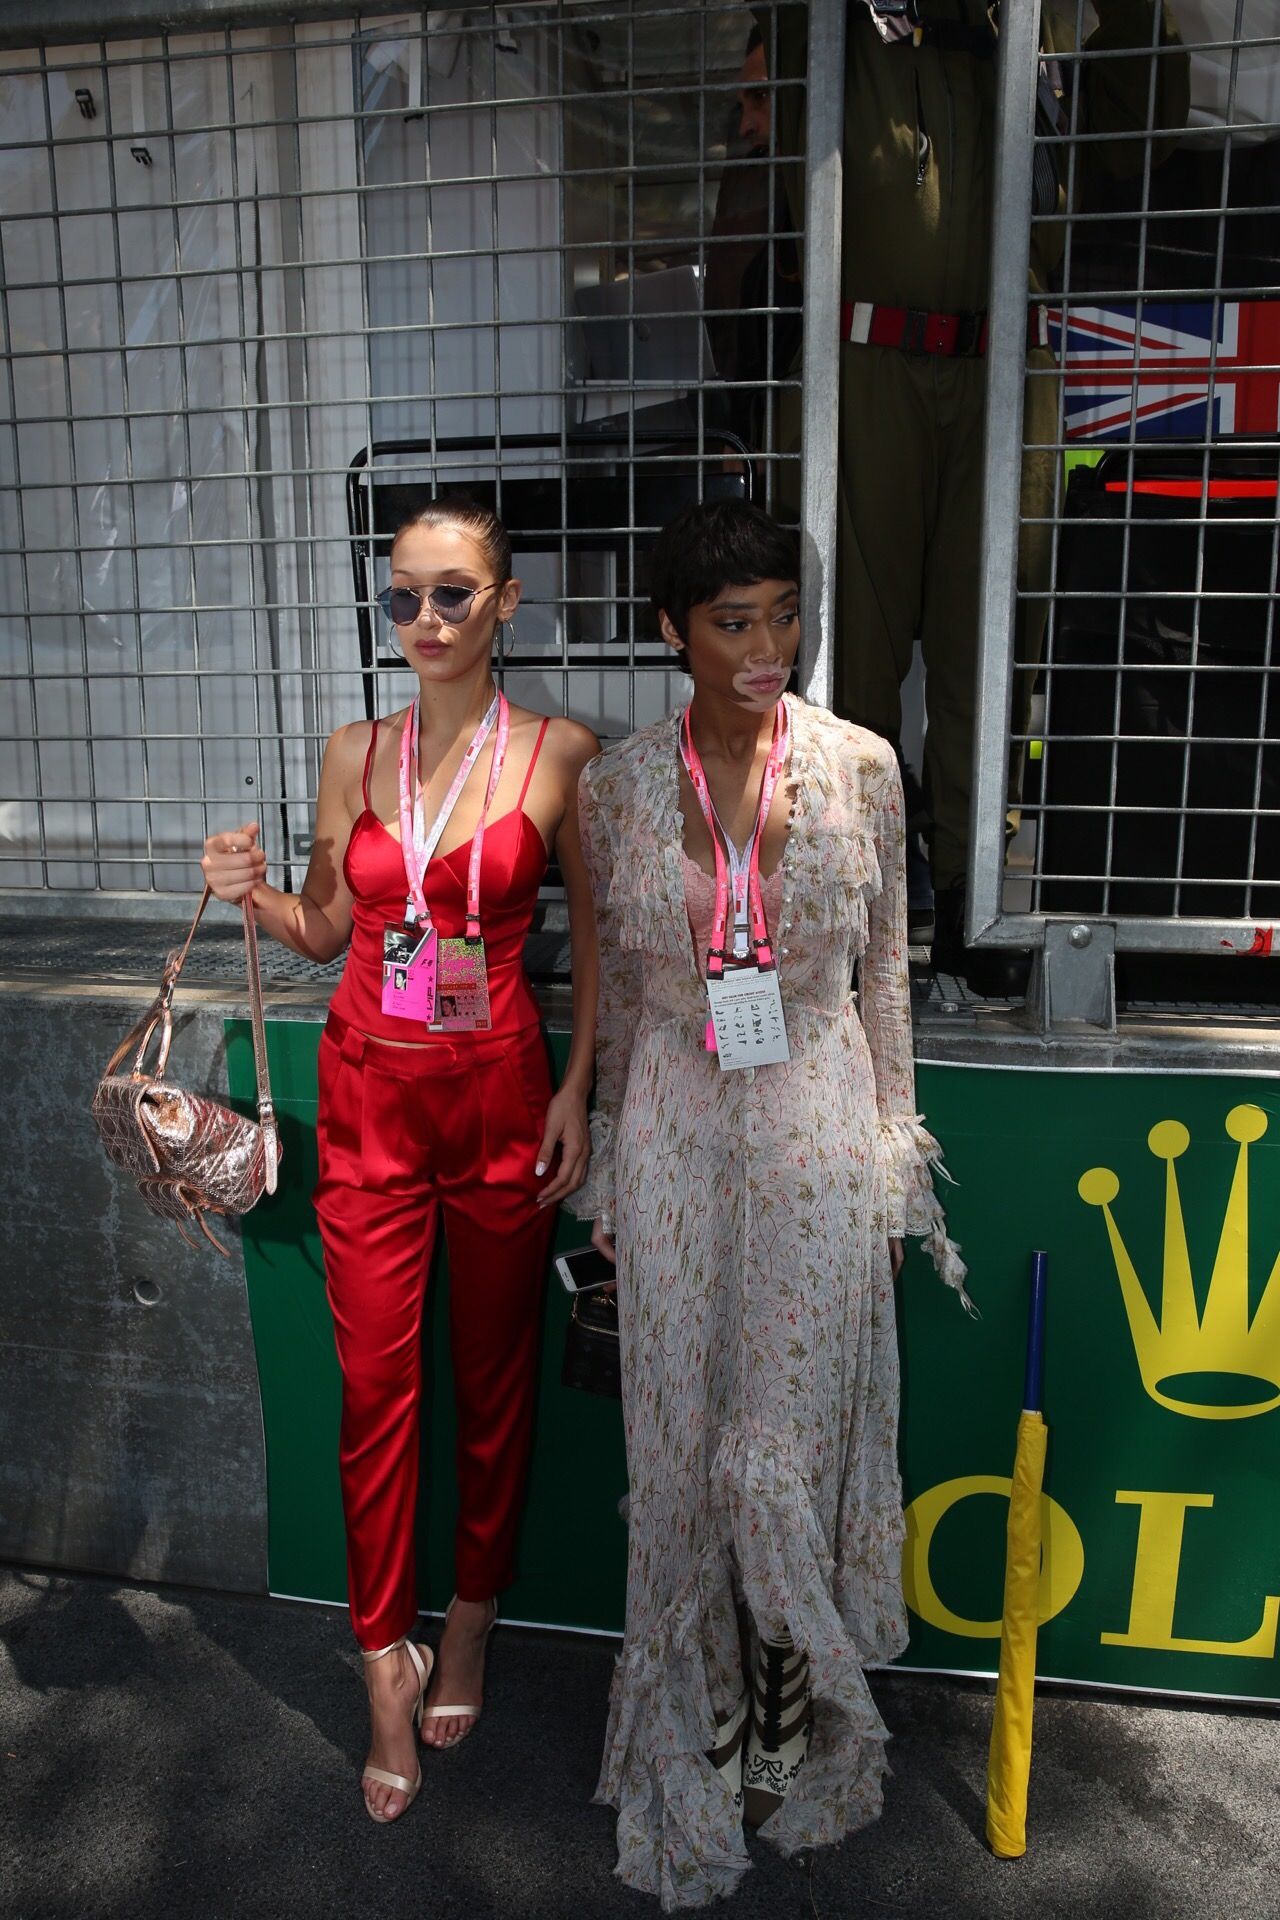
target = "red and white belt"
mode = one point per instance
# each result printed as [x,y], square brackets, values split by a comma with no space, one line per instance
[956,336]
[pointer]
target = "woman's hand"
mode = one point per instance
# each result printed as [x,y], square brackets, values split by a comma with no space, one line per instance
[566,1127]
[896,1256]
[234,864]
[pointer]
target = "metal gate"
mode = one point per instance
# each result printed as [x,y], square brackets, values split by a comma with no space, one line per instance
[259,280]
[1146,593]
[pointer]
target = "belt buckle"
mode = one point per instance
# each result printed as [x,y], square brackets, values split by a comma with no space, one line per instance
[944,334]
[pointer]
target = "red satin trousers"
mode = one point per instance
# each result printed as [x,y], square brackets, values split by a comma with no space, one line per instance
[408,1136]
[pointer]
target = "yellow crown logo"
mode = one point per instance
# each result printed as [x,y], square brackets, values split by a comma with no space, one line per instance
[1217,1365]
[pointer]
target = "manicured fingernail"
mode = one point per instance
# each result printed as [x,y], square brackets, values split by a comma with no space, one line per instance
[541,1167]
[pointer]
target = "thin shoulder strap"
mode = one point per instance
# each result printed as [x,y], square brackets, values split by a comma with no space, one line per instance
[368,762]
[537,749]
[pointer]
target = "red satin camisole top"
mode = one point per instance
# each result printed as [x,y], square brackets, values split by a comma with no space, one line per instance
[511,871]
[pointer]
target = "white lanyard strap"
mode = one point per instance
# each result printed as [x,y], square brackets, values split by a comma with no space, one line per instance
[739,880]
[416,843]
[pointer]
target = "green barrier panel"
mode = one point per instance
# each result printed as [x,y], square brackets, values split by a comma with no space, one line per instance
[1162,1383]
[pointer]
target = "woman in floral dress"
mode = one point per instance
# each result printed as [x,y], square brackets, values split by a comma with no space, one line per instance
[757,1215]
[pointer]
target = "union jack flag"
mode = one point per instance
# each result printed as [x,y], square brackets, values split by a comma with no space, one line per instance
[1200,375]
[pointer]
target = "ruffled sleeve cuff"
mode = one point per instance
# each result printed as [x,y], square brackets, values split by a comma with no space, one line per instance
[911,1156]
[594,1199]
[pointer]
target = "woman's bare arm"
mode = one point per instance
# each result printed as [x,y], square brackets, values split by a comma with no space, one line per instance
[573,746]
[584,957]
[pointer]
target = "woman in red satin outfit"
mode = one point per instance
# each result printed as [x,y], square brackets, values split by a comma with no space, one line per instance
[433,1107]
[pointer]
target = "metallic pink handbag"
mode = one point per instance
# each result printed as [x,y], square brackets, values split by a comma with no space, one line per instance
[190,1155]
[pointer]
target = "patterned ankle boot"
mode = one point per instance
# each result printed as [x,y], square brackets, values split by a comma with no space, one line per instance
[778,1737]
[726,1755]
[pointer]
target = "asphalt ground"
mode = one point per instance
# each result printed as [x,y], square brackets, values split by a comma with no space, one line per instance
[168,1753]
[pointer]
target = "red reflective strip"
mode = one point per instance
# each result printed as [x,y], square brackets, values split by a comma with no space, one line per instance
[1195,490]
[888,327]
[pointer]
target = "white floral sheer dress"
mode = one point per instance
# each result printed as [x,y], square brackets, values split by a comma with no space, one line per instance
[753,1211]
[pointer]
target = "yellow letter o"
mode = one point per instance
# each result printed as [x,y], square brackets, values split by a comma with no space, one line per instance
[1061,1555]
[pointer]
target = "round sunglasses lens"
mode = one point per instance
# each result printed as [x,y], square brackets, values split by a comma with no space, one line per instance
[403,606]
[452,603]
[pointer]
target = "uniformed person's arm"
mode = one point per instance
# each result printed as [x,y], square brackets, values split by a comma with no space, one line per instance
[1117,92]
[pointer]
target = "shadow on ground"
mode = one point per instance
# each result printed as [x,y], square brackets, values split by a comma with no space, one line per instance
[167,1753]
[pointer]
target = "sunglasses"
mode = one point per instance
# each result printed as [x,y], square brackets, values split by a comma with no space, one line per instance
[403,605]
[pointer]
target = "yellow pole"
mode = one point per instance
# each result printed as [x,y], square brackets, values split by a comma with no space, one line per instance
[1009,1762]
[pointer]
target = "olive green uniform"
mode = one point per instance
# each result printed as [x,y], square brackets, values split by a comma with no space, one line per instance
[919,140]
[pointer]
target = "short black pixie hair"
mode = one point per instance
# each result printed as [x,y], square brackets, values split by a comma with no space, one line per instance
[719,543]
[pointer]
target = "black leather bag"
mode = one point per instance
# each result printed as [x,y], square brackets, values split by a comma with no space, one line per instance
[592,1358]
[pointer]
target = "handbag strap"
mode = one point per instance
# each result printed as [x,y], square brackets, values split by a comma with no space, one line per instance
[160,1014]
[262,1075]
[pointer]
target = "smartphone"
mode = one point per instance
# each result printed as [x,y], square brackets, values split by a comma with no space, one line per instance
[585,1269]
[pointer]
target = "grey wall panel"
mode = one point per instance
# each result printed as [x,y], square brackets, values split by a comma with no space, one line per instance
[130,1435]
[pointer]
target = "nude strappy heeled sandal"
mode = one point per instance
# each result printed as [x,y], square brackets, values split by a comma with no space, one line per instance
[450,1713]
[422,1660]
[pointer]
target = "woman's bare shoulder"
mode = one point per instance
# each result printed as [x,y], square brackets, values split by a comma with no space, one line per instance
[572,742]
[568,743]
[346,752]
[346,748]
[347,745]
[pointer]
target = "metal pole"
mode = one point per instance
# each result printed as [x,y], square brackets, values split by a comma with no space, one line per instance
[1034,1377]
[819,470]
[1002,475]
[30,22]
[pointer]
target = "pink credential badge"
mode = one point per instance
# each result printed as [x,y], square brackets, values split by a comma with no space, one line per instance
[409,972]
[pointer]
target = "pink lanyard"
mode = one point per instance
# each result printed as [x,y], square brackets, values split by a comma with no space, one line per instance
[751,859]
[417,845]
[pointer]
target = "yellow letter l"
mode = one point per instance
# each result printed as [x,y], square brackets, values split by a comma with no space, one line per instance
[1155,1583]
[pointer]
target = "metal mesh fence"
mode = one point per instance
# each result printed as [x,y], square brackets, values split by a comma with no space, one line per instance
[262,287]
[1146,586]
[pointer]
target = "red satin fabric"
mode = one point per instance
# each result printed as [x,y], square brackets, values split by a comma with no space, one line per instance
[511,871]
[410,1136]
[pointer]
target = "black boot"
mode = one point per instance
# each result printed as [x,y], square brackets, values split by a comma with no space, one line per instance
[916,826]
[920,922]
[996,973]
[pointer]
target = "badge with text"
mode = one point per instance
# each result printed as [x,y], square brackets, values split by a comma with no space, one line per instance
[462,987]
[747,1018]
[409,972]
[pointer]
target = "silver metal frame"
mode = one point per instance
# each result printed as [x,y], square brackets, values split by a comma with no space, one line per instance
[819,473]
[286,596]
[1006,373]
[26,23]
[1078,950]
